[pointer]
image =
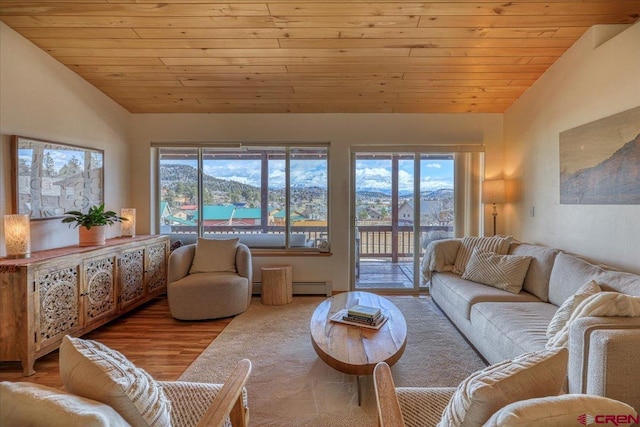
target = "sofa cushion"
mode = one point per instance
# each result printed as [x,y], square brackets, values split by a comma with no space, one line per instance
[542,258]
[496,244]
[570,272]
[463,294]
[563,314]
[27,404]
[92,370]
[504,272]
[559,411]
[528,376]
[213,256]
[513,328]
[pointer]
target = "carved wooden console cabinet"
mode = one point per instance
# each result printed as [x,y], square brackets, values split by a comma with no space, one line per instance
[73,290]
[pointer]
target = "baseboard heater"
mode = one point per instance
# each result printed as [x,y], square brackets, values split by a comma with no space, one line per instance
[302,288]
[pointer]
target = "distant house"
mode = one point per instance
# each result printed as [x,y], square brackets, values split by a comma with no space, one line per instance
[367,213]
[430,211]
[277,217]
[213,215]
[165,209]
[216,215]
[246,216]
[171,220]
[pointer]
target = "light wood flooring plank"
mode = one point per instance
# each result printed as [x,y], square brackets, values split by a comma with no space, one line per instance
[148,336]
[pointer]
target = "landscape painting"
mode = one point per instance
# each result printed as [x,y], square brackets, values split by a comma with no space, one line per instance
[600,161]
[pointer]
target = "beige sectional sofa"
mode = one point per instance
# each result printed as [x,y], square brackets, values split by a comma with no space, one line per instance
[501,325]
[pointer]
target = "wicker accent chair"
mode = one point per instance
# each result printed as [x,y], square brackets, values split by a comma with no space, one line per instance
[192,404]
[222,404]
[424,406]
[420,406]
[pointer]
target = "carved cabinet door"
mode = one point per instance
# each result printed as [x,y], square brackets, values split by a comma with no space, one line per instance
[131,276]
[99,294]
[57,303]
[156,268]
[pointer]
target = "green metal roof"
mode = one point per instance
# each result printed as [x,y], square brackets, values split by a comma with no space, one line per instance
[214,212]
[247,213]
[179,220]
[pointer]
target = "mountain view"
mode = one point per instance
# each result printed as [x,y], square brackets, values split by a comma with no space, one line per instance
[238,185]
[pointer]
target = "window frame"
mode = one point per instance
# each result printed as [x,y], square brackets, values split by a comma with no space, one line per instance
[202,147]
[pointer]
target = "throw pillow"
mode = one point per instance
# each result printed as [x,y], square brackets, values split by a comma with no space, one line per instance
[26,404]
[535,374]
[557,411]
[214,256]
[504,272]
[93,370]
[569,305]
[496,244]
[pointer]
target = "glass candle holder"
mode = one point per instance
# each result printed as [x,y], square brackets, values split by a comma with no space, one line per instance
[128,226]
[17,236]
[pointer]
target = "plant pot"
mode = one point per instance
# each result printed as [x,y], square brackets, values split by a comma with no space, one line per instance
[93,236]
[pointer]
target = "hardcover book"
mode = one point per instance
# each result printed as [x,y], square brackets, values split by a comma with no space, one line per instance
[339,317]
[363,311]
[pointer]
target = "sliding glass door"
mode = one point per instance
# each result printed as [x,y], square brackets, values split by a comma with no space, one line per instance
[400,201]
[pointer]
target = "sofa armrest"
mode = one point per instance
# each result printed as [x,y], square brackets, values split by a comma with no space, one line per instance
[243,262]
[180,262]
[438,256]
[603,358]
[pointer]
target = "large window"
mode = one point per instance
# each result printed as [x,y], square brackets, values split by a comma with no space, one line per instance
[268,196]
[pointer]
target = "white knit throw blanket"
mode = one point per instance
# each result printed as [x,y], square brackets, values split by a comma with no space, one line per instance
[601,304]
[438,256]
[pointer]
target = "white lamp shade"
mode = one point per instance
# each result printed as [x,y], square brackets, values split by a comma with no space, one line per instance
[493,191]
[17,236]
[129,226]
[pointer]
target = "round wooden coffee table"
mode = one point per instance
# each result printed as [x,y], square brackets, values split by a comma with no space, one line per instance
[356,350]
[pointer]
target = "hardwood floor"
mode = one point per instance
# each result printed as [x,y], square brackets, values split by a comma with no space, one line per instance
[148,336]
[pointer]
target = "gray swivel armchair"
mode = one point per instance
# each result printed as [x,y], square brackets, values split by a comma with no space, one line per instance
[198,288]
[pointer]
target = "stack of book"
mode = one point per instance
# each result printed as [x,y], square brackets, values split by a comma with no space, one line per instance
[364,314]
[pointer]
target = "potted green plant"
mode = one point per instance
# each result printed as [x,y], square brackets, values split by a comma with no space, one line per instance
[92,224]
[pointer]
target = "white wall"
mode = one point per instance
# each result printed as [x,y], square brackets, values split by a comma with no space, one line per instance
[41,98]
[593,80]
[342,130]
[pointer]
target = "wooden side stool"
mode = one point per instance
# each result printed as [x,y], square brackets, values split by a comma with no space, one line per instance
[277,284]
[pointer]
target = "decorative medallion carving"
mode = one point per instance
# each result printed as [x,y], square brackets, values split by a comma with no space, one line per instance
[59,308]
[157,274]
[132,275]
[100,287]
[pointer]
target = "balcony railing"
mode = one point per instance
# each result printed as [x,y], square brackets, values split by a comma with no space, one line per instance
[372,241]
[385,241]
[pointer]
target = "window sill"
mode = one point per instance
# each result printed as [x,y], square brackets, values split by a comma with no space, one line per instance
[258,252]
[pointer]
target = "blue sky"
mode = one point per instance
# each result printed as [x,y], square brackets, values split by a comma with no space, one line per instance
[372,175]
[60,156]
[376,175]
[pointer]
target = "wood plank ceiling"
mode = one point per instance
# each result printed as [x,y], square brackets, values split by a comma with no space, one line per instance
[281,56]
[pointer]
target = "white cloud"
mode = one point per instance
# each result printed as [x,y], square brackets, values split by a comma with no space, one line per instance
[430,184]
[433,165]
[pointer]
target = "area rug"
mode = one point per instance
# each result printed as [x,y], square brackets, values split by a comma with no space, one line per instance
[291,386]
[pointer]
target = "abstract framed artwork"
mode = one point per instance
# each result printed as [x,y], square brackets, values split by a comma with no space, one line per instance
[600,161]
[51,178]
